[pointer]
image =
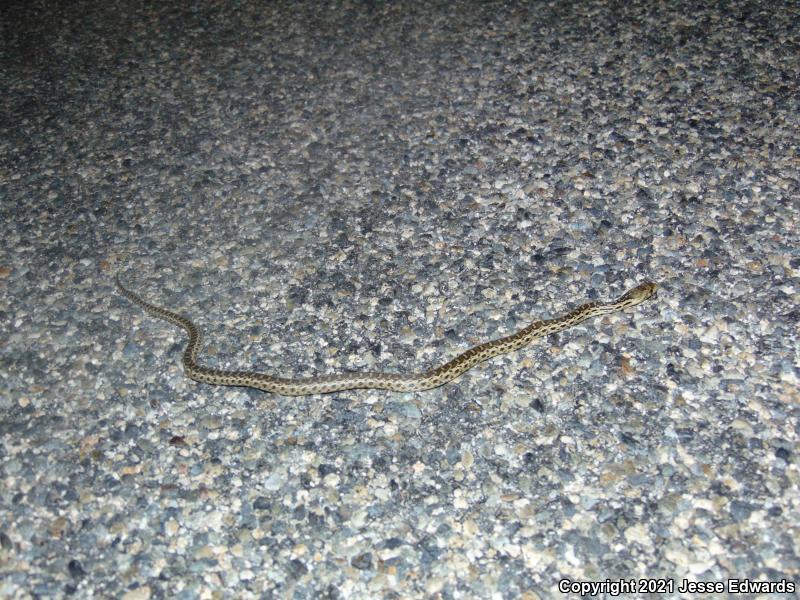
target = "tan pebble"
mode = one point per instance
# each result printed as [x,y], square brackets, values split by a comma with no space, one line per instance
[140,593]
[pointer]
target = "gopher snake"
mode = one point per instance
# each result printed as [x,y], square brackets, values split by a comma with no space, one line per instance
[414,382]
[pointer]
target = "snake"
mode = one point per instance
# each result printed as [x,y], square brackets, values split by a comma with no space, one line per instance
[405,382]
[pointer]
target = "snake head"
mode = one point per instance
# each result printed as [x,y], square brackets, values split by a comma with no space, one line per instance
[639,294]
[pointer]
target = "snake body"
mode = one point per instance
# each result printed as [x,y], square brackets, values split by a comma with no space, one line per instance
[413,382]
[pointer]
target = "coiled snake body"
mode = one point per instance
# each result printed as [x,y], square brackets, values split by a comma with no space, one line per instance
[414,382]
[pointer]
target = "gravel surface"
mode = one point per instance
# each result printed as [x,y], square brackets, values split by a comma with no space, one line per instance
[334,186]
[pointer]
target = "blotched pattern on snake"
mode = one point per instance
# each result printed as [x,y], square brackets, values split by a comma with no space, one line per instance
[412,382]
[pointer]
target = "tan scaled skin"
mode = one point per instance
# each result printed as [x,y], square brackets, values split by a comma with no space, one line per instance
[413,382]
